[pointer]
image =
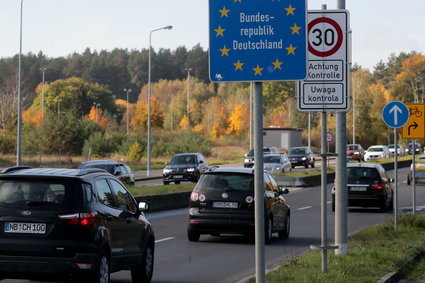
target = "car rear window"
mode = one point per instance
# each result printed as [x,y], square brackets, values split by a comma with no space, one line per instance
[356,173]
[240,182]
[271,159]
[35,192]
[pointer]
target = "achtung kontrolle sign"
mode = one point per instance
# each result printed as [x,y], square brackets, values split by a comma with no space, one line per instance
[257,40]
[327,84]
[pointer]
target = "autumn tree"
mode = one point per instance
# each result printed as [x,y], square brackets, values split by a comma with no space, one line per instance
[140,119]
[238,119]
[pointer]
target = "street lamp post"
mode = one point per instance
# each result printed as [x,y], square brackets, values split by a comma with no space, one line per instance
[59,106]
[148,170]
[96,109]
[19,130]
[188,92]
[43,70]
[128,117]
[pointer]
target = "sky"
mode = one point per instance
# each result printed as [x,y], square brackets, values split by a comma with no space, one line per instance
[61,27]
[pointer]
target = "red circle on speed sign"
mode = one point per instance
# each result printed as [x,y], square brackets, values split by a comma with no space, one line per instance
[329,137]
[338,43]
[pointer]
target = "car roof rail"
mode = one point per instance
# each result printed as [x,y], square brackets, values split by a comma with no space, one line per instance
[86,171]
[14,168]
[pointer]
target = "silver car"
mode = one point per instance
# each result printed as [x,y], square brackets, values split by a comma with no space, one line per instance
[277,163]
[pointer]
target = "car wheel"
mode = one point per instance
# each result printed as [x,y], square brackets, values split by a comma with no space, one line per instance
[177,182]
[312,165]
[193,236]
[166,182]
[268,230]
[197,177]
[408,181]
[306,164]
[102,272]
[292,166]
[284,234]
[383,206]
[144,271]
[333,203]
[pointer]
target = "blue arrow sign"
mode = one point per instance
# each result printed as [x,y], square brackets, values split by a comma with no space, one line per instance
[257,40]
[395,114]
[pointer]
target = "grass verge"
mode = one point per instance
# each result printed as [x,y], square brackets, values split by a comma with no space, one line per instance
[373,252]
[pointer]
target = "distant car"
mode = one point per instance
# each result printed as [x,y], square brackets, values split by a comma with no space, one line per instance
[71,224]
[249,158]
[355,152]
[400,150]
[121,170]
[223,203]
[184,167]
[419,171]
[409,148]
[301,156]
[277,163]
[377,152]
[368,185]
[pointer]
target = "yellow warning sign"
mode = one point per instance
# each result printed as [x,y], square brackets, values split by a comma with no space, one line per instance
[415,126]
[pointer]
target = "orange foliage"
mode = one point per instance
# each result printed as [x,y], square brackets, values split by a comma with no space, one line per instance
[32,116]
[140,118]
[184,123]
[96,115]
[237,119]
[219,119]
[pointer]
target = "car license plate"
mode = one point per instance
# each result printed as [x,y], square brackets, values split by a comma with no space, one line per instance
[26,228]
[357,189]
[225,204]
[178,177]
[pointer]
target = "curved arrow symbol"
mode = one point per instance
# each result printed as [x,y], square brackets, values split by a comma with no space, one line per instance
[396,110]
[415,125]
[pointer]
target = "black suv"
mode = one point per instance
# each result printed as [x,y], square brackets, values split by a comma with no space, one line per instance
[60,223]
[249,158]
[223,202]
[368,185]
[121,170]
[184,167]
[301,156]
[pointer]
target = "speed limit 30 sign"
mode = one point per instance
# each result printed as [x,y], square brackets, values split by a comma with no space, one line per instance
[327,83]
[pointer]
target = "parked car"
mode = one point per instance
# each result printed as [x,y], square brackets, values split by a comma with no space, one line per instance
[80,224]
[368,185]
[409,148]
[419,171]
[355,152]
[223,203]
[249,158]
[376,152]
[277,163]
[184,167]
[400,150]
[121,170]
[301,156]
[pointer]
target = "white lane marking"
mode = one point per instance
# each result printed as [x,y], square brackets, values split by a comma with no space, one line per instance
[164,240]
[304,208]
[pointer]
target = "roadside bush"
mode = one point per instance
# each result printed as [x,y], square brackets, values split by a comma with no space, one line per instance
[187,142]
[98,145]
[7,142]
[135,153]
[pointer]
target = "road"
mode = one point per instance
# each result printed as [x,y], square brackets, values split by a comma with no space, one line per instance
[232,258]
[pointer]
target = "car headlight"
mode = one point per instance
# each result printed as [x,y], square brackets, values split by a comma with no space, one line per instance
[304,158]
[356,152]
[190,169]
[166,171]
[246,160]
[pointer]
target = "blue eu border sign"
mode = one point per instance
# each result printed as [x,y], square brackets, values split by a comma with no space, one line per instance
[257,40]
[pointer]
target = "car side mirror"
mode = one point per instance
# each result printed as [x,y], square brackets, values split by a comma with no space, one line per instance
[117,173]
[283,190]
[201,162]
[391,180]
[144,206]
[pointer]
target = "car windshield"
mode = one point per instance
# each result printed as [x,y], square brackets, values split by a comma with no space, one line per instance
[376,149]
[356,173]
[297,151]
[31,192]
[391,146]
[107,167]
[271,159]
[352,147]
[239,182]
[183,159]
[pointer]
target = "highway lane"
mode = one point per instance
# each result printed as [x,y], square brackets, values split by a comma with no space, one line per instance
[232,258]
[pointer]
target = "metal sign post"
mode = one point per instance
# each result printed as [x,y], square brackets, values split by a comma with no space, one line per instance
[395,114]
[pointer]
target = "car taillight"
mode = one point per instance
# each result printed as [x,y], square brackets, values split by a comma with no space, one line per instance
[83,219]
[194,196]
[377,185]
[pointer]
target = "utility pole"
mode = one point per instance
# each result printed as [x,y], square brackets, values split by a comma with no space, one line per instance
[43,70]
[188,92]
